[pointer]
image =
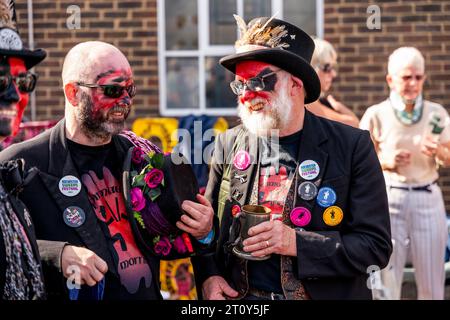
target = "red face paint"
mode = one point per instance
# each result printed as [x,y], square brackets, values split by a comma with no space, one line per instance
[116,77]
[249,69]
[11,97]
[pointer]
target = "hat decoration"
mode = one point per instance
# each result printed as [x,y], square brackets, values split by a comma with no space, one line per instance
[259,34]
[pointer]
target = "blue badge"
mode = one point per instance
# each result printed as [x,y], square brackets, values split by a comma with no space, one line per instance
[326,197]
[74,216]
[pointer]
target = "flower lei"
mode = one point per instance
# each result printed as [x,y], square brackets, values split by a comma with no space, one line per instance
[147,180]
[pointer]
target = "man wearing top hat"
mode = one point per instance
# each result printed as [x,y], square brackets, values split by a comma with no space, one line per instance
[80,201]
[329,226]
[20,269]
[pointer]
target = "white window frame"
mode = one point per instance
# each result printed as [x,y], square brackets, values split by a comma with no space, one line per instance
[206,50]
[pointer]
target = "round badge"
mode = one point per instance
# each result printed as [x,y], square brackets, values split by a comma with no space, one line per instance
[74,216]
[235,210]
[300,216]
[70,186]
[241,160]
[307,190]
[333,216]
[309,169]
[326,197]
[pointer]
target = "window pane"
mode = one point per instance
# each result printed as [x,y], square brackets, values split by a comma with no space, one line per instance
[222,26]
[218,91]
[256,8]
[301,13]
[182,83]
[181,25]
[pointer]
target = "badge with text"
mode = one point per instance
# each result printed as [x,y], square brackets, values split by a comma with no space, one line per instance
[300,216]
[70,186]
[326,197]
[333,216]
[308,169]
[307,190]
[74,216]
[241,160]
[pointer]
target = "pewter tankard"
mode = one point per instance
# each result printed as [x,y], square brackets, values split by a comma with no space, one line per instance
[250,216]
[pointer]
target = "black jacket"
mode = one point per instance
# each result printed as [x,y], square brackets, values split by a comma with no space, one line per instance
[49,153]
[331,262]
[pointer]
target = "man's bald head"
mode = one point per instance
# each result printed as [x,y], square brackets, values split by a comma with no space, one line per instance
[87,61]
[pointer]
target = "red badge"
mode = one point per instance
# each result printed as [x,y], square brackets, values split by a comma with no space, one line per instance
[235,210]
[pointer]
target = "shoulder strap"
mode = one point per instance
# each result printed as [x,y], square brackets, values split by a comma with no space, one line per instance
[225,184]
[140,142]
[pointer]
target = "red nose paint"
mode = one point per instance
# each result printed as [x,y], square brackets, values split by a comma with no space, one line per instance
[249,69]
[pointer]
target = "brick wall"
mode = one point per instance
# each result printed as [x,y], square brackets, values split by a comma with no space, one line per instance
[132,26]
[129,25]
[363,53]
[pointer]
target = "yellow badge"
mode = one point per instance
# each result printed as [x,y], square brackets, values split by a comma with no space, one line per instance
[333,216]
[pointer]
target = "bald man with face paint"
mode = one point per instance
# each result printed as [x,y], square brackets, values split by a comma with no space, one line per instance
[321,180]
[89,236]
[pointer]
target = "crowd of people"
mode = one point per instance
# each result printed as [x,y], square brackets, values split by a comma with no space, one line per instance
[341,199]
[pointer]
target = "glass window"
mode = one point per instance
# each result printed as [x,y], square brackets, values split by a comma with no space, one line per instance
[218,91]
[182,83]
[222,26]
[257,8]
[181,25]
[299,13]
[195,34]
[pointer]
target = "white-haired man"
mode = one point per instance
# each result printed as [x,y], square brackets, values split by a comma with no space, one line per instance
[323,183]
[411,136]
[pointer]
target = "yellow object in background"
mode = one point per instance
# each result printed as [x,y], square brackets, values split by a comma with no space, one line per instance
[159,131]
[177,276]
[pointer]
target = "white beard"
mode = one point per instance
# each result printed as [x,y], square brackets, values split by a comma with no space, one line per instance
[274,115]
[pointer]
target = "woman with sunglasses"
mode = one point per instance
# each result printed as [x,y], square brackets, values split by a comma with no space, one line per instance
[412,138]
[20,268]
[324,62]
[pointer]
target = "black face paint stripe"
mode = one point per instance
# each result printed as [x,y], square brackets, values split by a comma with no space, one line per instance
[118,79]
[270,81]
[101,75]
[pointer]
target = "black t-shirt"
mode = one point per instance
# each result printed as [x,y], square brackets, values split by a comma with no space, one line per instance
[99,169]
[274,183]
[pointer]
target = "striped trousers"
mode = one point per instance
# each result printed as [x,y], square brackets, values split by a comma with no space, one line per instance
[419,235]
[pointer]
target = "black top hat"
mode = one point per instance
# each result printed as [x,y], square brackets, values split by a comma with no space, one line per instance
[279,43]
[10,41]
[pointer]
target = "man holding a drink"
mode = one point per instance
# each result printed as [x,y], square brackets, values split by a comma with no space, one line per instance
[320,180]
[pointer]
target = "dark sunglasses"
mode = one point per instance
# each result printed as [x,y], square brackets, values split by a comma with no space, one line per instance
[326,68]
[418,77]
[26,82]
[252,84]
[112,90]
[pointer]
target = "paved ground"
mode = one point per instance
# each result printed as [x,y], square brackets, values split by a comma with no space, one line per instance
[409,290]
